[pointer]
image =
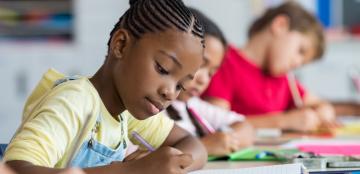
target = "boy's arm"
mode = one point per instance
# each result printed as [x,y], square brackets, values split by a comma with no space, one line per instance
[303,119]
[346,108]
[182,140]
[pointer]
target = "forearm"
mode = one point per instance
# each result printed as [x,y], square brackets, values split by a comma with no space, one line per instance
[346,108]
[191,145]
[23,167]
[241,126]
[273,120]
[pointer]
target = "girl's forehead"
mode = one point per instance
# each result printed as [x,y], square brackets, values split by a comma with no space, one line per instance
[175,41]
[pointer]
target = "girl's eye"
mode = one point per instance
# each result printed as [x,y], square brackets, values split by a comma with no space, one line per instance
[180,87]
[160,69]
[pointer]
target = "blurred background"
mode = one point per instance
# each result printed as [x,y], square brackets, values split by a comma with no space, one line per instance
[71,36]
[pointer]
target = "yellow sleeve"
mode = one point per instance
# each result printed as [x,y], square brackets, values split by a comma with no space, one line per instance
[154,130]
[44,139]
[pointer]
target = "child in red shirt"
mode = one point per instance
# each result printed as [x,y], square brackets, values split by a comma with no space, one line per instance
[253,81]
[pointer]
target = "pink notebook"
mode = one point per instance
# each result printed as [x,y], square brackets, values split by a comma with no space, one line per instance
[348,150]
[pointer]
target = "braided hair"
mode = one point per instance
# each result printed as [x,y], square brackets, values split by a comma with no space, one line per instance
[210,27]
[146,16]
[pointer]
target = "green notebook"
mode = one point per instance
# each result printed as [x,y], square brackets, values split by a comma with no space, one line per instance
[258,154]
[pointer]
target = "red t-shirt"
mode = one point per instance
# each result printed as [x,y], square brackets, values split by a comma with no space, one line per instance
[247,88]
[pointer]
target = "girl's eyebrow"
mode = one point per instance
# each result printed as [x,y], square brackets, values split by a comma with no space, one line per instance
[176,61]
[190,76]
[172,57]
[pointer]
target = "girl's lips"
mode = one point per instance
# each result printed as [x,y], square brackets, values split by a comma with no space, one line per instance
[154,107]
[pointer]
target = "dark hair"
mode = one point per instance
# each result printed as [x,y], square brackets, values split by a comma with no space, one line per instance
[300,20]
[146,16]
[210,28]
[175,115]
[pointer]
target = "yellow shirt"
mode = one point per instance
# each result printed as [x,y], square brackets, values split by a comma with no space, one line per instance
[53,118]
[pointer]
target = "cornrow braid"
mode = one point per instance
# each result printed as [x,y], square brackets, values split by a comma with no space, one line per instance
[146,16]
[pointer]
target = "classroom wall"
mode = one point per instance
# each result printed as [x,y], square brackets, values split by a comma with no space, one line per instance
[22,64]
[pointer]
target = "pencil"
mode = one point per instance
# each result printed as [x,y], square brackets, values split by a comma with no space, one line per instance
[294,90]
[202,121]
[142,141]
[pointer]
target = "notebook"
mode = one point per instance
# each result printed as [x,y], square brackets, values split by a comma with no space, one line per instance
[347,149]
[327,147]
[351,126]
[251,154]
[275,169]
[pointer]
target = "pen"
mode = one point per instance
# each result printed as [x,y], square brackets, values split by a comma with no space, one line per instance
[142,141]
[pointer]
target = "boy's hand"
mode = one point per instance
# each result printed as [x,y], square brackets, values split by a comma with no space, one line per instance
[165,160]
[304,120]
[327,115]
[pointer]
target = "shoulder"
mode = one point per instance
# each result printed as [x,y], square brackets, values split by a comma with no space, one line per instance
[77,95]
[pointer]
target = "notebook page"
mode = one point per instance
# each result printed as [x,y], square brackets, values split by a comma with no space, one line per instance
[275,169]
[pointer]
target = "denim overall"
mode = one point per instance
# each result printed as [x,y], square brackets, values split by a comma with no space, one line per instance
[92,153]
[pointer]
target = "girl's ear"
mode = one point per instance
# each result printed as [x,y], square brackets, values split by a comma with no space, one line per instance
[280,25]
[119,42]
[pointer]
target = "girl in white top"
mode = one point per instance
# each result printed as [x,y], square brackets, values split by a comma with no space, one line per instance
[220,142]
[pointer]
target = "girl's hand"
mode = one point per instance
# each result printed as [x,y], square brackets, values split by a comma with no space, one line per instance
[220,143]
[73,171]
[244,132]
[165,160]
[136,155]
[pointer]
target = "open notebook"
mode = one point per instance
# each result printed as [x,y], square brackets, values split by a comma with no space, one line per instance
[251,154]
[275,169]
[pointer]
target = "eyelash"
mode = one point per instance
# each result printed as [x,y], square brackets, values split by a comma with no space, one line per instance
[180,87]
[163,71]
[160,69]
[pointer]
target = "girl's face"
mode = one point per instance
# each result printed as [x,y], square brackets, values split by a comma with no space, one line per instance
[154,69]
[288,51]
[213,55]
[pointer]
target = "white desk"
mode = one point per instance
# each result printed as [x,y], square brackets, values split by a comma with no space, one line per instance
[235,164]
